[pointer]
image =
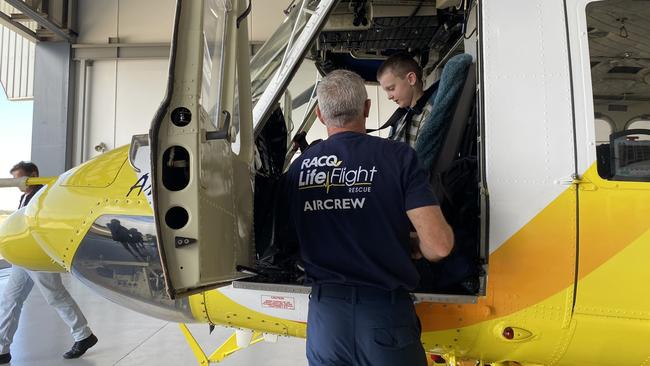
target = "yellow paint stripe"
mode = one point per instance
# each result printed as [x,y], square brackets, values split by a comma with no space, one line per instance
[538,261]
[613,215]
[535,263]
[617,287]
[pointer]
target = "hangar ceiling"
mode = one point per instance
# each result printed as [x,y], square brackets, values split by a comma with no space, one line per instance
[22,24]
[40,20]
[55,20]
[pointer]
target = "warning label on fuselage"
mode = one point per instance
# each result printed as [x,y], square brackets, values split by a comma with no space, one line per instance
[278,302]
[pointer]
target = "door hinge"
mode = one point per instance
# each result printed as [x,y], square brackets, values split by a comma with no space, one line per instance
[576,180]
[568,181]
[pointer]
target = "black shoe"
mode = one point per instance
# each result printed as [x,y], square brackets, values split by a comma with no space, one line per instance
[79,348]
[5,358]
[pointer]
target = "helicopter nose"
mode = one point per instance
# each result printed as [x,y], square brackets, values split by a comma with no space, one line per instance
[18,245]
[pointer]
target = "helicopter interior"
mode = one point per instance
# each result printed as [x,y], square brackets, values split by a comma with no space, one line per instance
[359,36]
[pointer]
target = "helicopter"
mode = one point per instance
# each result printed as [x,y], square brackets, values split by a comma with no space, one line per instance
[549,211]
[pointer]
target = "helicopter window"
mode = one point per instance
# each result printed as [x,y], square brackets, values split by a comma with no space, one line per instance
[299,100]
[213,37]
[639,124]
[619,44]
[604,128]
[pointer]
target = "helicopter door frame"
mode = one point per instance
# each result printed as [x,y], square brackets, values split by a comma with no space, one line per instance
[202,150]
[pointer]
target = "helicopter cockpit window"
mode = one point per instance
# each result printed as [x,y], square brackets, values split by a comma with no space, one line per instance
[139,152]
[619,48]
[267,60]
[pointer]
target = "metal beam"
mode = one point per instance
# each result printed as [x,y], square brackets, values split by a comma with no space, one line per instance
[20,17]
[114,51]
[17,27]
[43,21]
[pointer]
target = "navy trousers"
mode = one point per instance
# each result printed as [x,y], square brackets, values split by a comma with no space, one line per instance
[355,325]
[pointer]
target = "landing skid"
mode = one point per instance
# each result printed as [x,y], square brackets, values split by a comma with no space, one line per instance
[241,339]
[227,348]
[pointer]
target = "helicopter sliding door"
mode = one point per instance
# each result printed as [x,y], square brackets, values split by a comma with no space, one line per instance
[527,141]
[201,149]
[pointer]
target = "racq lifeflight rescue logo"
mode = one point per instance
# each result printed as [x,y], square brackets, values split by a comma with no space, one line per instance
[327,172]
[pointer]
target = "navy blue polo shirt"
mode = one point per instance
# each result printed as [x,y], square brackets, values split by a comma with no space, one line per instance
[348,198]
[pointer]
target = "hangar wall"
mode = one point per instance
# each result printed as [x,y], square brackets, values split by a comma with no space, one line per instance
[117,95]
[120,66]
[51,124]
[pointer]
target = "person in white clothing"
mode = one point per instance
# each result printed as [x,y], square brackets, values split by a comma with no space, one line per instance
[20,284]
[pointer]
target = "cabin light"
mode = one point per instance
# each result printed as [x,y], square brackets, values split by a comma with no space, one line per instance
[508,333]
[598,34]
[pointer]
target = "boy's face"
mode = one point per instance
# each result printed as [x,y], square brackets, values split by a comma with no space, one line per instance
[399,90]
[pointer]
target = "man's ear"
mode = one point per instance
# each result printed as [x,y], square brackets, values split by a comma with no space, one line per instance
[411,78]
[366,108]
[319,115]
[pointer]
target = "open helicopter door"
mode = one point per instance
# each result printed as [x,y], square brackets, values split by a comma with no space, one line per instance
[202,149]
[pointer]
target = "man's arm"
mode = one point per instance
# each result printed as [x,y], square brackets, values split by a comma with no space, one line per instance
[436,237]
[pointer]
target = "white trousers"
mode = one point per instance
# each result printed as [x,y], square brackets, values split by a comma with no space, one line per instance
[18,287]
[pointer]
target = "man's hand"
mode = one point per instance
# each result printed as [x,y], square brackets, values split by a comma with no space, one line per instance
[436,237]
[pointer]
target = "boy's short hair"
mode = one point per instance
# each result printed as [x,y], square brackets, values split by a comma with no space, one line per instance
[26,166]
[400,64]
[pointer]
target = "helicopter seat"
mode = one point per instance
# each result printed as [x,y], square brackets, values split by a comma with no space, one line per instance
[446,146]
[433,132]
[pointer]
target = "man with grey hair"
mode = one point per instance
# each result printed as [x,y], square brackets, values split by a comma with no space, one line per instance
[346,99]
[352,199]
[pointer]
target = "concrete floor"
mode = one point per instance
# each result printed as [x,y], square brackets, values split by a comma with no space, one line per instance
[127,337]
